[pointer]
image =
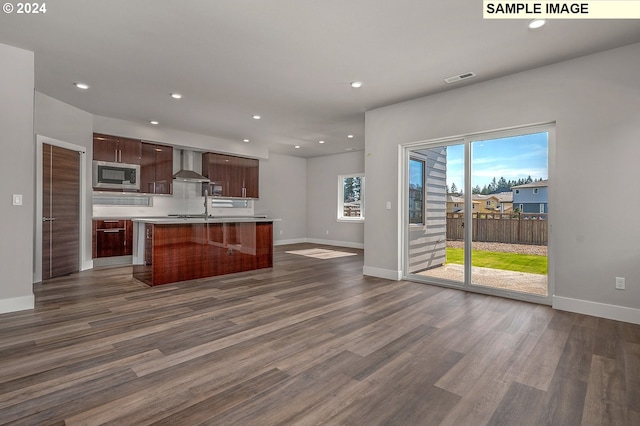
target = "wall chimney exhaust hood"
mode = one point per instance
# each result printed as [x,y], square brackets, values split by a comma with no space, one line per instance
[186,172]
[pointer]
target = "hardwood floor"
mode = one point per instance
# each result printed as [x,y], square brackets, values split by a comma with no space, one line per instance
[311,341]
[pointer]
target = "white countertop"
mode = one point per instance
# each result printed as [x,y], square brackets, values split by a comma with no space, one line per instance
[196,220]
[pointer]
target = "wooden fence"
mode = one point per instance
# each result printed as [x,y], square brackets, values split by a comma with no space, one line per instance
[514,228]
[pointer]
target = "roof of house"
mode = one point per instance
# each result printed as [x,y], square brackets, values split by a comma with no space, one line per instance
[533,184]
[502,197]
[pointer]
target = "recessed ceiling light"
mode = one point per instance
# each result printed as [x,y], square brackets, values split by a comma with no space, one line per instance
[176,96]
[257,117]
[83,86]
[297,147]
[356,84]
[350,136]
[154,122]
[536,23]
[245,140]
[320,141]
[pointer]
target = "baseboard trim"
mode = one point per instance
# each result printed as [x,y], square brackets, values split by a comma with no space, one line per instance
[86,265]
[388,274]
[602,310]
[336,243]
[287,242]
[15,304]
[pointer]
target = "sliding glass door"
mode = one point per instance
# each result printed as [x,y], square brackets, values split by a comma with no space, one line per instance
[430,203]
[476,213]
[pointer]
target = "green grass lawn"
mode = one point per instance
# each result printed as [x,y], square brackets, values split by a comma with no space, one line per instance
[528,263]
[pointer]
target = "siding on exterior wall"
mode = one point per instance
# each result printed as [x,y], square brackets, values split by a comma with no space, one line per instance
[427,242]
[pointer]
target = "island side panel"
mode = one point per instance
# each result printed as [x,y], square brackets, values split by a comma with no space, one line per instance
[182,252]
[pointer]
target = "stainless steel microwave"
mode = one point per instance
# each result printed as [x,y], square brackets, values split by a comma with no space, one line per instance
[116,175]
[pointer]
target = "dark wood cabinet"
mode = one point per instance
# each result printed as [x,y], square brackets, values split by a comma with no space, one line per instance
[156,169]
[116,149]
[112,237]
[231,176]
[181,252]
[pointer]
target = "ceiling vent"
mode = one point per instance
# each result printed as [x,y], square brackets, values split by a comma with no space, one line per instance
[456,78]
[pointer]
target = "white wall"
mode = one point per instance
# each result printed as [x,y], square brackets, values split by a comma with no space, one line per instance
[283,194]
[322,199]
[17,176]
[594,101]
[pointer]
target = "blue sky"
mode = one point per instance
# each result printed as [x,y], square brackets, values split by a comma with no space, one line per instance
[514,158]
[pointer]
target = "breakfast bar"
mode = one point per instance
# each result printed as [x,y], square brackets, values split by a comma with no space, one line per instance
[168,250]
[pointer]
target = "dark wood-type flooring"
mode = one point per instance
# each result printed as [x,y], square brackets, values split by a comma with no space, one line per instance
[308,342]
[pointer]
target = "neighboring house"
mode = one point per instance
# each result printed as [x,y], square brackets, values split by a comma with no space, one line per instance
[505,201]
[493,203]
[455,203]
[486,203]
[531,197]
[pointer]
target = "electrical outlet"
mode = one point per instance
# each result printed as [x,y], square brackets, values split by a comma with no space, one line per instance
[281,232]
[327,232]
[620,283]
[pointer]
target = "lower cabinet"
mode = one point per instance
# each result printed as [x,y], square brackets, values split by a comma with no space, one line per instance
[112,237]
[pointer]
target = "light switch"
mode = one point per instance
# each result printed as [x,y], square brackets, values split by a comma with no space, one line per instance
[17,199]
[388,205]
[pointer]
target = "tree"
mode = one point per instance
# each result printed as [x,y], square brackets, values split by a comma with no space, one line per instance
[476,189]
[454,188]
[351,189]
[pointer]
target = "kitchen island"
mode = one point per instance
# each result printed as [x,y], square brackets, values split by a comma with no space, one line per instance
[167,250]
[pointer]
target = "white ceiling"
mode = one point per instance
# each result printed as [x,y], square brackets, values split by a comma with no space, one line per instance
[291,61]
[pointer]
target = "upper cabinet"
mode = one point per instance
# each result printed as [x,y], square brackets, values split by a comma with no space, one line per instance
[156,168]
[231,176]
[116,149]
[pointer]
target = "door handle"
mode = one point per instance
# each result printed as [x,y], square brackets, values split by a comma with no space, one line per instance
[48,219]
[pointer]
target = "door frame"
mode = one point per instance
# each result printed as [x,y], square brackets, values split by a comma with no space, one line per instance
[83,262]
[404,153]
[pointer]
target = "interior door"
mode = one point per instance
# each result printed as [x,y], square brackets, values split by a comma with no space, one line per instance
[60,211]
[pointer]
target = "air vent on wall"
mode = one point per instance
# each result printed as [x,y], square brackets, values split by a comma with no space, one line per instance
[455,78]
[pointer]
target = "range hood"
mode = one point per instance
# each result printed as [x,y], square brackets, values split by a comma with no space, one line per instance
[186,172]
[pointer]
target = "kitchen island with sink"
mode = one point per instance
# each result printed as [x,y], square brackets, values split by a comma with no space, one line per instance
[167,250]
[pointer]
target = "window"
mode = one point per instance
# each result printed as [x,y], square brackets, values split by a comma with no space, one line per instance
[416,191]
[517,191]
[488,203]
[535,190]
[351,197]
[521,208]
[541,207]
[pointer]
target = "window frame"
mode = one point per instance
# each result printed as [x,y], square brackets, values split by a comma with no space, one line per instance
[424,167]
[340,213]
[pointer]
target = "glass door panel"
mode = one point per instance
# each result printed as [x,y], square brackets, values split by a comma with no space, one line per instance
[509,181]
[435,224]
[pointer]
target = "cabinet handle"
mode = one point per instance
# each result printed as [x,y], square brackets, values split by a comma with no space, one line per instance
[244,192]
[48,219]
[149,234]
[115,155]
[110,231]
[110,221]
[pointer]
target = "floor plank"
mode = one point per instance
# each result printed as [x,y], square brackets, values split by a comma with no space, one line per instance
[310,341]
